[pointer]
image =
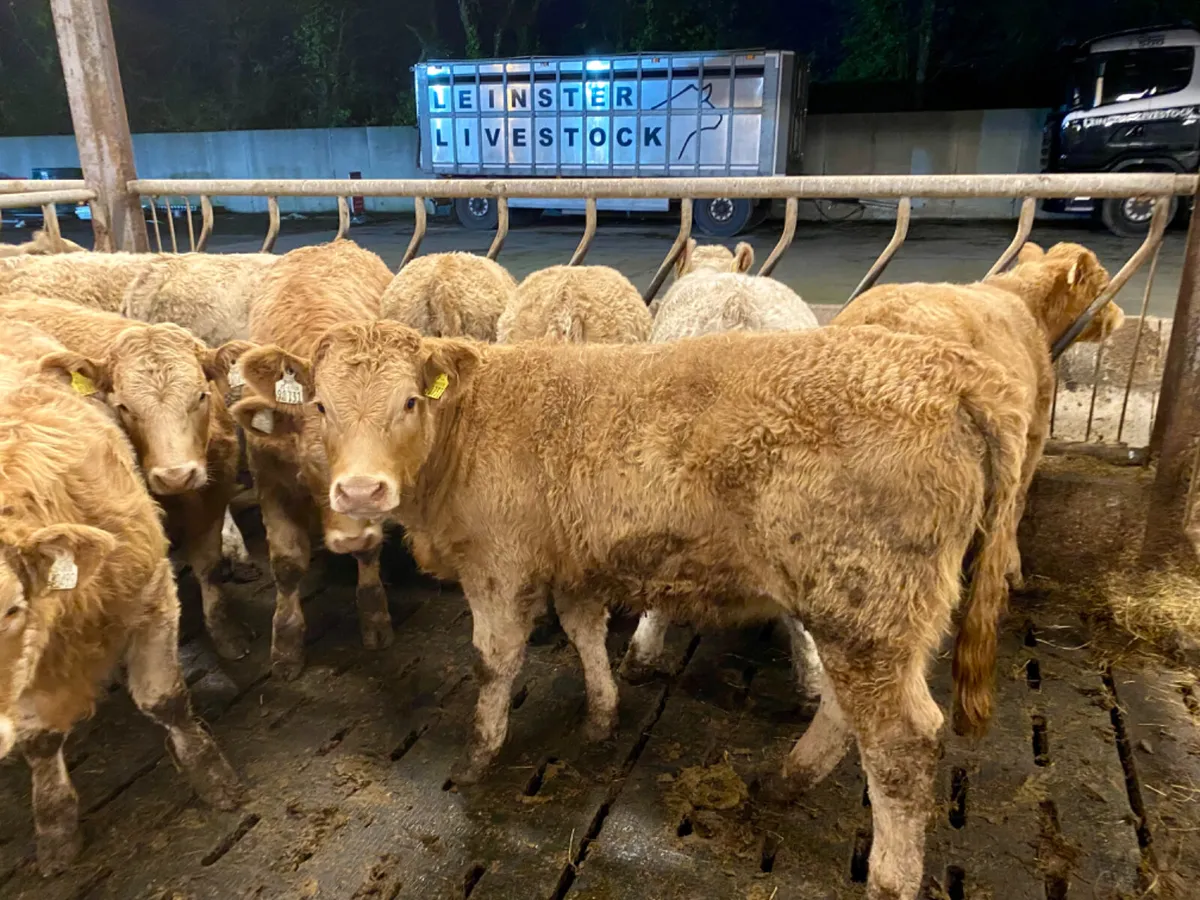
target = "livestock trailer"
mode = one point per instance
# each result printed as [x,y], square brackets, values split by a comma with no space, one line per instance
[719,113]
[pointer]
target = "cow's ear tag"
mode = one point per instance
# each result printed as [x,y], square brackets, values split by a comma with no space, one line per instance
[288,390]
[435,390]
[263,421]
[64,574]
[235,377]
[82,384]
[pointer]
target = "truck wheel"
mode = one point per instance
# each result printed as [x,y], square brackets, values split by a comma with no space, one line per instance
[477,213]
[1130,217]
[722,217]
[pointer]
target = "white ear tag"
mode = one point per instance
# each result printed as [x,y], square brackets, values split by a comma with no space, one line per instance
[234,377]
[64,574]
[263,421]
[287,390]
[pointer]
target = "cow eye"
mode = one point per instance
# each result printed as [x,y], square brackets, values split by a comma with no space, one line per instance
[320,407]
[411,404]
[13,612]
[203,396]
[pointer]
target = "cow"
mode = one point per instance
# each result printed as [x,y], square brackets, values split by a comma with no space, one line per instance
[85,587]
[166,389]
[310,290]
[836,475]
[41,244]
[574,304]
[1014,318]
[450,295]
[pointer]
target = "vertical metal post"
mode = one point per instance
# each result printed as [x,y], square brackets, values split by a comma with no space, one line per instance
[1177,424]
[89,61]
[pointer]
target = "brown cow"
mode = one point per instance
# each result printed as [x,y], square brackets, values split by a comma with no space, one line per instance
[305,293]
[1014,318]
[449,295]
[167,390]
[574,304]
[837,475]
[85,586]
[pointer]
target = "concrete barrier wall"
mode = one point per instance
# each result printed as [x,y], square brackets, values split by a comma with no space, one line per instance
[967,142]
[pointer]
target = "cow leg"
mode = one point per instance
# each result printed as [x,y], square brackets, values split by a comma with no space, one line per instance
[806,662]
[503,621]
[55,803]
[586,624]
[1033,454]
[644,658]
[287,538]
[233,551]
[373,617]
[156,685]
[204,556]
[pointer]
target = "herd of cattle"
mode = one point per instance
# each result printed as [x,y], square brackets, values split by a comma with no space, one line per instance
[715,459]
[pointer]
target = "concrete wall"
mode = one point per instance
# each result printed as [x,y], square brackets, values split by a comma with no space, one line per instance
[980,141]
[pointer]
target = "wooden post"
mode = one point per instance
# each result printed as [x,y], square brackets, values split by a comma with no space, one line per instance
[89,61]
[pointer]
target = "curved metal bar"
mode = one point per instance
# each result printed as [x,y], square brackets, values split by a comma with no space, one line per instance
[343,218]
[170,223]
[206,222]
[191,228]
[1024,226]
[681,239]
[785,240]
[501,227]
[1137,342]
[1158,225]
[50,223]
[418,235]
[589,232]
[903,215]
[273,228]
[154,219]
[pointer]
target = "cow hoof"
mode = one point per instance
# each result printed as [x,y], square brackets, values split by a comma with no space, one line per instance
[636,671]
[215,782]
[230,640]
[468,770]
[56,852]
[241,571]
[378,635]
[776,788]
[596,730]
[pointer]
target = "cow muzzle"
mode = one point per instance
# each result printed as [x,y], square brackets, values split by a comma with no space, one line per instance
[180,479]
[368,539]
[363,496]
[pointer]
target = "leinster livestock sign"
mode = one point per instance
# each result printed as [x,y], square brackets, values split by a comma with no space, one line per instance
[675,114]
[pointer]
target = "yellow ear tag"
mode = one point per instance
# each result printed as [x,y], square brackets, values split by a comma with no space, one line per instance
[435,390]
[82,384]
[64,574]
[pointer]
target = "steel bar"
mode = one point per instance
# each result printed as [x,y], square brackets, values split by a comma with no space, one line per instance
[343,218]
[1158,225]
[170,224]
[418,235]
[1024,226]
[191,227]
[39,198]
[791,213]
[681,239]
[589,232]
[903,216]
[759,187]
[206,222]
[273,225]
[50,223]
[501,227]
[1137,341]
[35,185]
[154,219]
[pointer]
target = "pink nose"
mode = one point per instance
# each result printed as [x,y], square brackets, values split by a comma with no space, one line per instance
[176,479]
[359,493]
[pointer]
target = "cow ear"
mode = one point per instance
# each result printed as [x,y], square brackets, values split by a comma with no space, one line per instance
[684,260]
[1030,252]
[276,374]
[87,376]
[60,557]
[218,361]
[267,421]
[448,367]
[743,257]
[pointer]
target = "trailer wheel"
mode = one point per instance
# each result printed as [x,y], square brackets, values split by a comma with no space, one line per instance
[1130,217]
[477,213]
[722,217]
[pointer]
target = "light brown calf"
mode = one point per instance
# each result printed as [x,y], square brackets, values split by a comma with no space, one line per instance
[596,304]
[41,244]
[836,475]
[166,389]
[85,586]
[308,291]
[449,295]
[1013,318]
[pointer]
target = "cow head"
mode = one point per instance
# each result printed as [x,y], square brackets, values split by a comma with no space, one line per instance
[37,568]
[713,258]
[1061,283]
[381,392]
[159,380]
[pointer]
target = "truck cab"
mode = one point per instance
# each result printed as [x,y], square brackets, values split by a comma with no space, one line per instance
[1132,103]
